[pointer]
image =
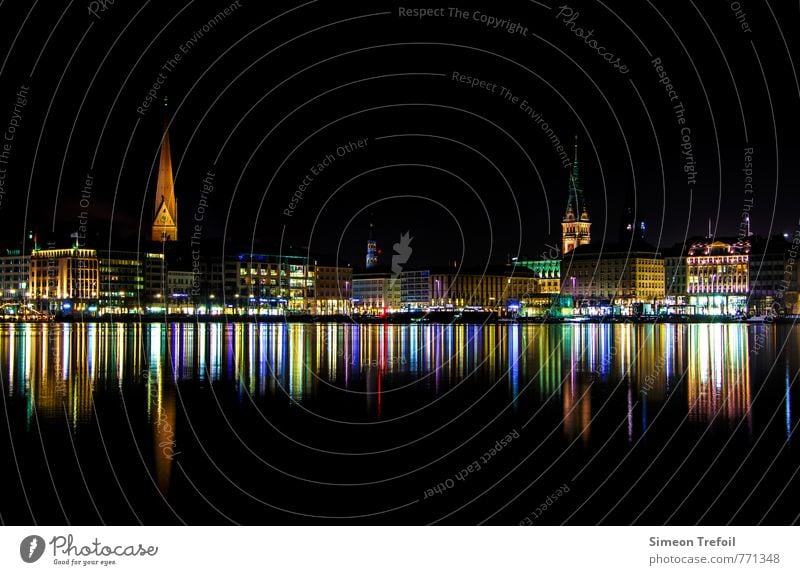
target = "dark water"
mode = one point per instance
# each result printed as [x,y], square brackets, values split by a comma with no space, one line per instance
[208,424]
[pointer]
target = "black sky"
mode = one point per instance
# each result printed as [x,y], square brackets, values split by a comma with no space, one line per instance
[266,94]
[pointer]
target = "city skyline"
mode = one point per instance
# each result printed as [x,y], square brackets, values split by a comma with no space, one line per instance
[374,264]
[166,217]
[184,273]
[646,171]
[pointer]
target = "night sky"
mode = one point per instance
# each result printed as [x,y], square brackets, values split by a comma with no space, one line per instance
[273,88]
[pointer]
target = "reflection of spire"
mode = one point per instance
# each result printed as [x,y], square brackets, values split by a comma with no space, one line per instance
[164,444]
[165,219]
[577,406]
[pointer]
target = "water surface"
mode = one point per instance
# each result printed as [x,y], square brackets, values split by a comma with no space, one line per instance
[325,423]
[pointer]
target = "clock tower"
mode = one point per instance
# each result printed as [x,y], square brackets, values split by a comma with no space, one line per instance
[165,219]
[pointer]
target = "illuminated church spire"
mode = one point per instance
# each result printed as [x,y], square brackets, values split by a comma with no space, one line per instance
[576,225]
[372,250]
[165,219]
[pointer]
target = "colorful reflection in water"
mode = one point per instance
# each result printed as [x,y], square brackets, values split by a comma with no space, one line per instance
[56,368]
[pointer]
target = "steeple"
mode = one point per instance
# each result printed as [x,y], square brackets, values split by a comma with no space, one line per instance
[575,227]
[372,250]
[165,218]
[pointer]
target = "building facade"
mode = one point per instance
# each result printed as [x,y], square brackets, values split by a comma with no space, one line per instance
[546,271]
[717,277]
[65,280]
[14,275]
[415,289]
[267,283]
[675,283]
[154,268]
[490,292]
[178,296]
[773,277]
[376,293]
[332,289]
[121,282]
[608,279]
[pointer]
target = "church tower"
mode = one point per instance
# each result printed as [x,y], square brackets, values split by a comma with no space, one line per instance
[575,227]
[165,219]
[372,250]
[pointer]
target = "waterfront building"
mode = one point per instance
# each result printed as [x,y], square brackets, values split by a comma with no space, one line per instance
[545,299]
[717,277]
[546,271]
[267,283]
[676,298]
[65,280]
[453,290]
[546,306]
[675,275]
[208,286]
[493,291]
[773,277]
[155,279]
[576,225]
[415,289]
[14,275]
[122,282]
[178,296]
[612,278]
[376,292]
[331,289]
